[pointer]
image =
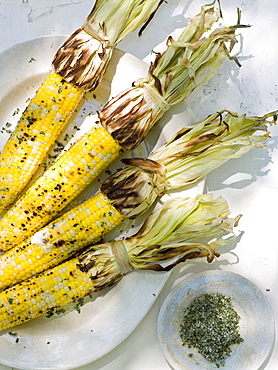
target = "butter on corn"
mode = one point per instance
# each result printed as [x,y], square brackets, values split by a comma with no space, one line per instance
[36,296]
[37,130]
[56,242]
[58,186]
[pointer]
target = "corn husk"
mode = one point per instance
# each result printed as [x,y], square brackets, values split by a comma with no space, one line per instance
[191,154]
[84,57]
[183,228]
[186,63]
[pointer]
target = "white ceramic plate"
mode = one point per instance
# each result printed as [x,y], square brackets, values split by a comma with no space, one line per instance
[256,323]
[76,339]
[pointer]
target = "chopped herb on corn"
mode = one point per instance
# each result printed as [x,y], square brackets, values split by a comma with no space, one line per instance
[56,242]
[37,130]
[78,66]
[124,122]
[191,154]
[57,187]
[188,226]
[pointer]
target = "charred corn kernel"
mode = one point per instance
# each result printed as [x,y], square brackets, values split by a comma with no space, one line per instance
[38,128]
[36,296]
[58,186]
[48,247]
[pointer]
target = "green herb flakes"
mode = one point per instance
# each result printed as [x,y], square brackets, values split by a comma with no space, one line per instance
[78,304]
[12,334]
[16,111]
[211,326]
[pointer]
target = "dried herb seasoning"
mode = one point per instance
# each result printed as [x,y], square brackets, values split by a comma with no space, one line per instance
[210,325]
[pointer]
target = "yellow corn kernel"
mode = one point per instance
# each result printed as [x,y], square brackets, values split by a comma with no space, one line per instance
[36,296]
[58,186]
[79,227]
[38,128]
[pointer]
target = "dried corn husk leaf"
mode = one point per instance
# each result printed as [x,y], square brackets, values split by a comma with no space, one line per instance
[183,228]
[191,154]
[186,63]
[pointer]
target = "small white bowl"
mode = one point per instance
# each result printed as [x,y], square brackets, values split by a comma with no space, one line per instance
[256,325]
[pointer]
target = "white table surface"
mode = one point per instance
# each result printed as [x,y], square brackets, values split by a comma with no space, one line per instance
[250,184]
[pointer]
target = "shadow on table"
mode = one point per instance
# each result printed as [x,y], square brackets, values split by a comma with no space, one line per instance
[241,172]
[154,35]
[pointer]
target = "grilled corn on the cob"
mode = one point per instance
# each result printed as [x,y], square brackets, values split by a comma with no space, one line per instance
[183,228]
[37,130]
[191,154]
[125,120]
[56,188]
[78,66]
[60,239]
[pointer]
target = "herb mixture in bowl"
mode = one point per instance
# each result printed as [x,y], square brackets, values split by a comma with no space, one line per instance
[211,324]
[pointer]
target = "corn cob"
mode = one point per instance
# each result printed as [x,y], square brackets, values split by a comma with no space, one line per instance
[124,123]
[56,187]
[39,126]
[57,241]
[182,228]
[78,67]
[191,154]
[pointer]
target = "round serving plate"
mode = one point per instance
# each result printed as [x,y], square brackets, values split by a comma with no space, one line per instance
[78,338]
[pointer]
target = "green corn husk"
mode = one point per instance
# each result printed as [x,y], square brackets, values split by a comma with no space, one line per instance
[186,63]
[191,154]
[115,20]
[181,229]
